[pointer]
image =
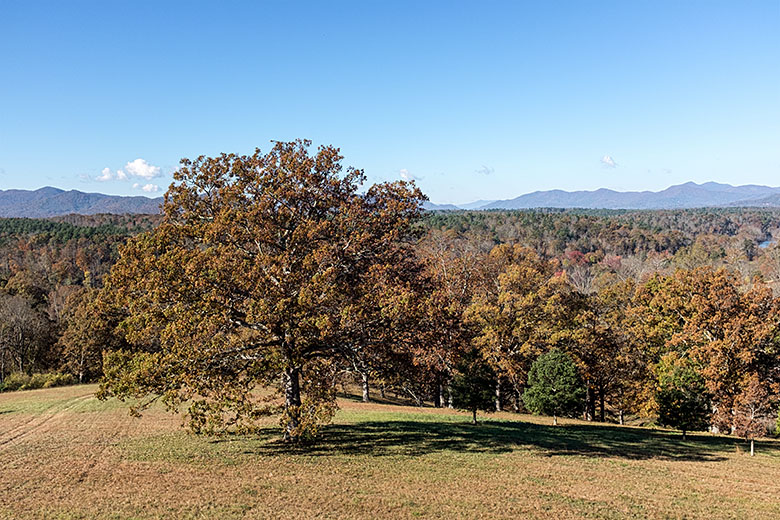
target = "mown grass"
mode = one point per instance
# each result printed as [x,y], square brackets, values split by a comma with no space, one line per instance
[382,434]
[46,399]
[383,461]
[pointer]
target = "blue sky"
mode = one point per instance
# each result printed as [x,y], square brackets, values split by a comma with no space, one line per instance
[478,100]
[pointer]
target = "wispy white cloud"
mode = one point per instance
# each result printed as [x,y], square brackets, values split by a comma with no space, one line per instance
[106,175]
[608,161]
[486,170]
[148,188]
[407,176]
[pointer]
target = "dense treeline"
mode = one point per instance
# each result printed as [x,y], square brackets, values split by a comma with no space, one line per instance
[667,316]
[48,268]
[619,232]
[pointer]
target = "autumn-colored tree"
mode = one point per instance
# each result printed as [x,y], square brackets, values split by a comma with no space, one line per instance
[753,408]
[599,337]
[456,268]
[730,334]
[257,274]
[385,317]
[88,331]
[24,334]
[517,312]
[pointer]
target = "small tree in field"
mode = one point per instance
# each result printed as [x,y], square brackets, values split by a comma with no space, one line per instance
[752,408]
[554,386]
[681,397]
[474,384]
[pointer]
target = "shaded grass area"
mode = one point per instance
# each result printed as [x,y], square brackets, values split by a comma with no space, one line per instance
[383,434]
[379,438]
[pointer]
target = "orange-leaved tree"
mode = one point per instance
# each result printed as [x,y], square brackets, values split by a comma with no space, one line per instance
[258,275]
[729,334]
[518,313]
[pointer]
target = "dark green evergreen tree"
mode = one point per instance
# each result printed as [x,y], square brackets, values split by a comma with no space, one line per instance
[474,384]
[682,398]
[554,386]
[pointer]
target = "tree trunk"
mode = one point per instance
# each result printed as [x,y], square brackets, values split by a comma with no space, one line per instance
[752,452]
[620,417]
[450,402]
[683,432]
[365,387]
[555,420]
[382,391]
[587,404]
[473,416]
[516,400]
[498,395]
[81,371]
[601,405]
[292,402]
[441,395]
[21,351]
[590,403]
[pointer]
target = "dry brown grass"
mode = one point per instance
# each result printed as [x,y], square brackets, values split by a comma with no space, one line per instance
[65,455]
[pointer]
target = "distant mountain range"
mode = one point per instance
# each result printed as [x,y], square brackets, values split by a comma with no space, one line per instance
[52,202]
[688,195]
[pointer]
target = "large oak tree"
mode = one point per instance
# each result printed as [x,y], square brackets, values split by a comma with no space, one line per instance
[266,268]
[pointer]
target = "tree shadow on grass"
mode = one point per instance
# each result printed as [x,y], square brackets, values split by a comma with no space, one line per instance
[415,438]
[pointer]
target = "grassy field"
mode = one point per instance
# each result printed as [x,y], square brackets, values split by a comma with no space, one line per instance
[64,454]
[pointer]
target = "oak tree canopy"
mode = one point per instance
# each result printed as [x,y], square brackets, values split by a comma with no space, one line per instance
[267,270]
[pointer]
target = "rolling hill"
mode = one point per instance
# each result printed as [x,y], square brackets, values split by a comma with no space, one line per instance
[52,202]
[681,196]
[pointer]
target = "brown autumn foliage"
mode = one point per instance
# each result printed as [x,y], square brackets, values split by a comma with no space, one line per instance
[265,267]
[730,334]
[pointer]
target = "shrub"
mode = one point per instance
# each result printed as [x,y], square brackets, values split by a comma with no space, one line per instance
[36,381]
[777,424]
[22,381]
[15,381]
[59,379]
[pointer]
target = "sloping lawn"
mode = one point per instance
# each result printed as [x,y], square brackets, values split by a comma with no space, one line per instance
[66,455]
